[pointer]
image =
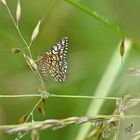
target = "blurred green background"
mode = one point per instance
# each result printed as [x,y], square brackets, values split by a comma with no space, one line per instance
[91,45]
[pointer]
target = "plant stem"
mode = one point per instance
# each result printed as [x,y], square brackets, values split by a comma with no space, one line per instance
[26,44]
[31,113]
[96,16]
[104,86]
[38,74]
[56,124]
[67,96]
[20,96]
[84,97]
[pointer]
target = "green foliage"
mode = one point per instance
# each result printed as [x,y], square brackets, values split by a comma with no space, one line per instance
[94,62]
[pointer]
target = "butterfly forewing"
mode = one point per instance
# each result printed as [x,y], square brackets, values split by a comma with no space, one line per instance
[54,62]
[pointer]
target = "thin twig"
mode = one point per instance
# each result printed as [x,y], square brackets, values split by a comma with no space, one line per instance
[26,44]
[84,97]
[96,16]
[56,124]
[44,92]
[20,96]
[31,113]
[67,96]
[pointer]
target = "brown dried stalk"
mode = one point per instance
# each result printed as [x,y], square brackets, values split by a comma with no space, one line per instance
[52,123]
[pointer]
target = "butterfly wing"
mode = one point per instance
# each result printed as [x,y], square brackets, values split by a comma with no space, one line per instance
[54,62]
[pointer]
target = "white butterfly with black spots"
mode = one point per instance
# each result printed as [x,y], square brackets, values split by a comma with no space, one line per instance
[53,61]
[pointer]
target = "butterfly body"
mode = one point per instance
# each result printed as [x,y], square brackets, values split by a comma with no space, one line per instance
[54,62]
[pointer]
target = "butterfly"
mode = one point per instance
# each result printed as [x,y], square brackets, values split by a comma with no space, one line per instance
[53,61]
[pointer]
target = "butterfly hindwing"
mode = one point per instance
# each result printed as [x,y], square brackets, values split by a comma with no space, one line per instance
[54,62]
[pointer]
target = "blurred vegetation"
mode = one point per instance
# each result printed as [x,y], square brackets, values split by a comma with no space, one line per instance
[91,45]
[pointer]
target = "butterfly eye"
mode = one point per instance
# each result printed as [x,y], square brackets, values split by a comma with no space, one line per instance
[54,62]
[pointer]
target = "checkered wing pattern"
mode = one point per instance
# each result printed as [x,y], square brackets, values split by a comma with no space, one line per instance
[54,62]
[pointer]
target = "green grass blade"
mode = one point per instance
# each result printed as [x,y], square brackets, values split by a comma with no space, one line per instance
[96,16]
[104,86]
